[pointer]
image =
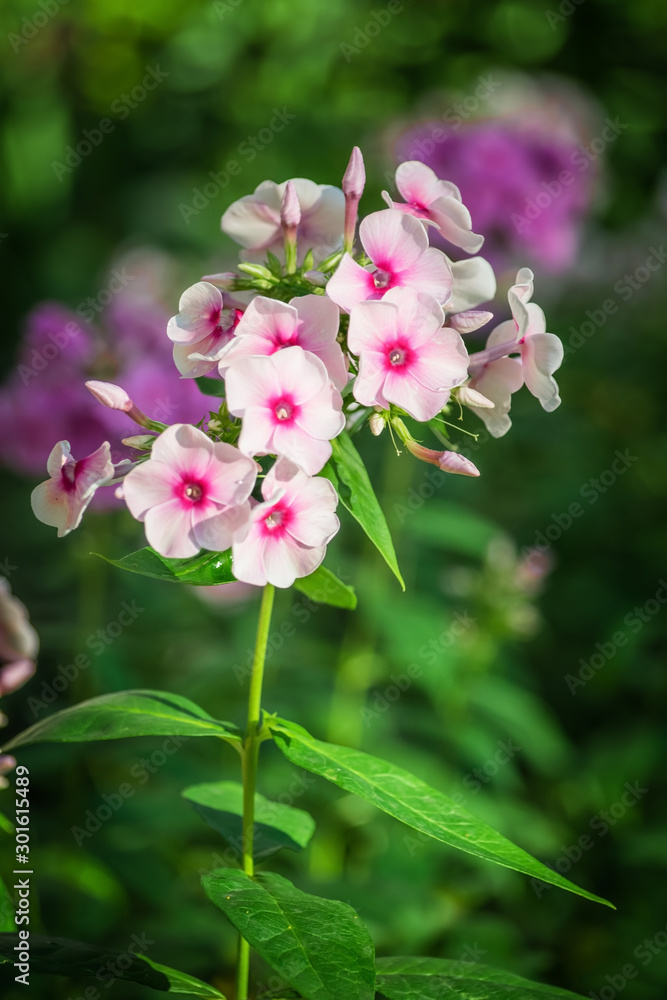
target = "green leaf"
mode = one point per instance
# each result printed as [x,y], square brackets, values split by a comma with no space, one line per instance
[125,713]
[348,474]
[220,804]
[319,946]
[211,386]
[6,824]
[411,801]
[208,569]
[324,587]
[444,979]
[62,957]
[6,910]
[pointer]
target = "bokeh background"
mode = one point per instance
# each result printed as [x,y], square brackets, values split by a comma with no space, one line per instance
[499,640]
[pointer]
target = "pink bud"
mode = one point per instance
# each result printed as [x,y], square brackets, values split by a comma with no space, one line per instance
[110,395]
[14,675]
[116,398]
[376,424]
[448,461]
[354,178]
[7,764]
[290,209]
[471,397]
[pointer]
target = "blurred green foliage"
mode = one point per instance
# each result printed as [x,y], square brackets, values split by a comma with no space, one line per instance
[229,65]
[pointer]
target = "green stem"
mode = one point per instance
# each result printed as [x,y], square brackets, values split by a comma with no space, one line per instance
[249,757]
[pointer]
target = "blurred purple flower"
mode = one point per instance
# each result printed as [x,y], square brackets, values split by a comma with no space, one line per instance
[45,398]
[509,169]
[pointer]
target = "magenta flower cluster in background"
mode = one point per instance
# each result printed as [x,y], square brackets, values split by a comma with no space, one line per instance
[45,395]
[508,163]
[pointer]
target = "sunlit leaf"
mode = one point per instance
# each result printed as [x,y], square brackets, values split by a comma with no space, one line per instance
[277,825]
[319,946]
[410,800]
[125,713]
[324,587]
[208,569]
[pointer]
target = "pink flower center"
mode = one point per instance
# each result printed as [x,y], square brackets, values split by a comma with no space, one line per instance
[193,491]
[275,522]
[382,278]
[283,409]
[68,475]
[398,355]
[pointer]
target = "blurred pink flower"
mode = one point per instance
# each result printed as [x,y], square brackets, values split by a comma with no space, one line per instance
[62,499]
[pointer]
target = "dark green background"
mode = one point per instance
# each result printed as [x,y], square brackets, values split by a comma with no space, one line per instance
[228,67]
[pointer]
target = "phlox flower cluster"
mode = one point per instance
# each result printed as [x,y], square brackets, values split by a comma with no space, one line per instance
[336,329]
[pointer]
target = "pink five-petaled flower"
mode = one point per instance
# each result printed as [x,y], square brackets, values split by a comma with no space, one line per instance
[62,499]
[436,201]
[308,321]
[288,405]
[288,534]
[254,221]
[406,356]
[397,245]
[525,334]
[201,329]
[191,494]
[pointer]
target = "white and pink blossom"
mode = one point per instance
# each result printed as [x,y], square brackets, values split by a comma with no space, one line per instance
[473,282]
[62,499]
[191,494]
[288,405]
[406,356]
[397,245]
[287,535]
[254,220]
[308,321]
[203,326]
[436,201]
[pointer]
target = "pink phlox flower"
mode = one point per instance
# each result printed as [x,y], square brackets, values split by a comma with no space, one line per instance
[436,201]
[191,494]
[496,381]
[473,282]
[62,499]
[541,352]
[201,330]
[308,321]
[288,405]
[398,247]
[254,220]
[406,356]
[288,533]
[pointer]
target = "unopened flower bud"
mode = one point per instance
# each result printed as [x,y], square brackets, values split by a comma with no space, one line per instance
[116,398]
[316,278]
[448,461]
[354,178]
[470,320]
[290,209]
[470,397]
[14,675]
[376,423]
[140,442]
